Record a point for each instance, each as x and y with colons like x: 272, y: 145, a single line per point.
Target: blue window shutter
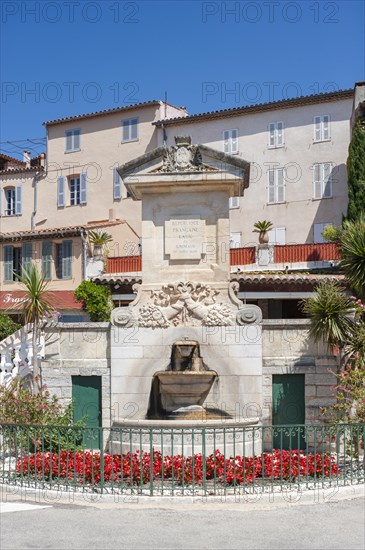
x: 117, y: 187
x: 66, y: 259
x: 8, y: 263
x: 83, y: 188
x: 18, y: 200
x: 26, y: 255
x: 61, y: 191
x: 47, y: 259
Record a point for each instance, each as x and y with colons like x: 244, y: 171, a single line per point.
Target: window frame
x: 73, y: 132
x: 322, y: 182
x: 130, y: 126
x: 276, y: 186
x: 321, y: 129
x: 12, y: 190
x: 230, y: 141
x: 276, y: 144
x: 76, y: 193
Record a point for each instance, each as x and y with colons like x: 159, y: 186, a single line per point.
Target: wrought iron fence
x: 200, y: 460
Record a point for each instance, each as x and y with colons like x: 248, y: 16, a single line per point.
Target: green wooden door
x: 288, y: 407
x: 86, y: 395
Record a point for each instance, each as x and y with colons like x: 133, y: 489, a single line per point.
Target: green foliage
x: 331, y: 234
x: 36, y: 303
x: 96, y: 300
x: 331, y: 313
x: 99, y: 238
x: 356, y: 172
x: 353, y: 253
x: 262, y: 226
x: 7, y: 326
x: 46, y: 424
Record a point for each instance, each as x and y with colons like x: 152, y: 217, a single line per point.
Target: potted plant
x: 263, y: 228
x: 99, y: 239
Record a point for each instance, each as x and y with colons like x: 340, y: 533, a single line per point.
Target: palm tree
x: 353, y: 254
x: 35, y: 306
x: 331, y: 313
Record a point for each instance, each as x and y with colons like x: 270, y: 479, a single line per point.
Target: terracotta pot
x: 263, y: 237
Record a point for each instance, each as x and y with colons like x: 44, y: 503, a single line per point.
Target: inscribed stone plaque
x: 184, y: 238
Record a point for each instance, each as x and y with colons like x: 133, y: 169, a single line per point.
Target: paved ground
x: 28, y: 523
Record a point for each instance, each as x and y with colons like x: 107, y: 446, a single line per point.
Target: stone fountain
x: 186, y: 342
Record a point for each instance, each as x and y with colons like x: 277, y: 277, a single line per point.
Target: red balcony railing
x: 243, y: 256
x: 288, y: 253
x: 292, y: 253
x: 124, y: 264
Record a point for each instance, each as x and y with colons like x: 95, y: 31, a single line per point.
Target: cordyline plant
x: 35, y: 305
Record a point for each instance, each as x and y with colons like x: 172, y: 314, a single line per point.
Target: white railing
x: 16, y: 355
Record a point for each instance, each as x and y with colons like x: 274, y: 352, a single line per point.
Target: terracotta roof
x: 104, y: 112
x: 119, y: 278
x: 269, y: 106
x: 73, y: 230
x: 21, y: 170
x: 11, y: 159
x: 274, y: 278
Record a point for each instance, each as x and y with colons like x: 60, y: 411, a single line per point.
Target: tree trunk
x: 36, y: 369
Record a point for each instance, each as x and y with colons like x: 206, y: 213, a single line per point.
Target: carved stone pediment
x: 183, y: 157
x: 186, y: 304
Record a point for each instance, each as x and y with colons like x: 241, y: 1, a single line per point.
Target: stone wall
x: 77, y: 349
x: 126, y: 360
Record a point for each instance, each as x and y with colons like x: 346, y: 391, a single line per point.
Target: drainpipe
x: 32, y: 219
x: 84, y: 253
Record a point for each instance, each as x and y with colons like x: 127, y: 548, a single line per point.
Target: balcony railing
x: 288, y: 253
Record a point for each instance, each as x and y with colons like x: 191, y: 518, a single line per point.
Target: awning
x: 60, y: 299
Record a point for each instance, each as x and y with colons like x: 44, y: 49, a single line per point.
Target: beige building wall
x: 300, y: 210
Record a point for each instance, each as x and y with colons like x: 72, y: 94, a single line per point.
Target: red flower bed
x: 136, y: 468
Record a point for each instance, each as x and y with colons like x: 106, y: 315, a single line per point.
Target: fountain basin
x: 184, y: 388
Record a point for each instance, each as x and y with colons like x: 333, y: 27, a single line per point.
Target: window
x: 77, y: 190
x: 276, y: 186
x: 13, y: 201
x: 47, y: 260
x: 322, y: 180
x: 322, y: 128
x: 72, y: 140
x: 16, y: 258
x: 277, y: 236
x: 130, y: 129
x: 234, y: 202
x: 230, y: 141
x: 64, y: 260
x: 318, y: 230
x: 276, y: 134
x: 235, y: 240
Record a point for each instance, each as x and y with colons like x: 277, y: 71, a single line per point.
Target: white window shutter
x: 18, y: 200
x: 234, y: 141
x: 317, y: 183
x: 69, y: 141
x: 234, y: 202
x: 326, y: 127
x: 327, y: 179
x: 125, y: 135
x: 226, y: 141
x: 281, y: 235
x: 76, y: 143
x: 271, y: 186
x: 134, y: 128
x: 271, y: 139
x: 235, y: 240
x: 280, y: 185
x: 83, y: 188
x: 117, y: 186
x: 8, y: 263
x: 61, y: 181
x: 317, y: 128
x: 280, y: 134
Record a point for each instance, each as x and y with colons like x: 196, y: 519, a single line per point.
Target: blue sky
x: 62, y: 58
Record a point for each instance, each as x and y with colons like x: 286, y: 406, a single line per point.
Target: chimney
x: 111, y: 214
x: 26, y: 158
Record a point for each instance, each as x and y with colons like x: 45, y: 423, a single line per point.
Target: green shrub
x: 7, y: 326
x: 96, y: 299
x: 331, y: 234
